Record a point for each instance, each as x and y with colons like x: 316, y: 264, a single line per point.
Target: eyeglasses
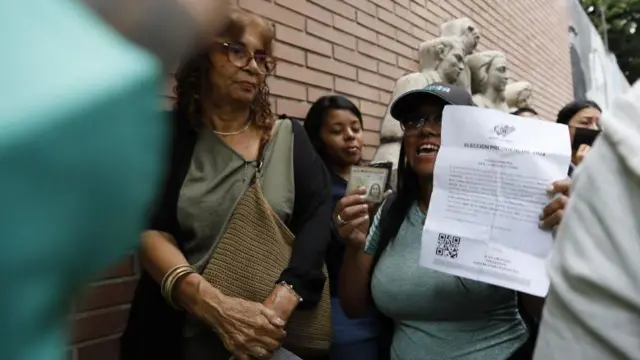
x: 412, y: 125
x: 241, y: 57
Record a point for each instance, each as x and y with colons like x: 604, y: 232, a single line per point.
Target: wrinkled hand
x: 554, y: 212
x: 351, y: 218
x: 247, y: 329
x: 582, y: 152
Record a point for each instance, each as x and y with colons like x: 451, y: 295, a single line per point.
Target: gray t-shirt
x: 439, y: 316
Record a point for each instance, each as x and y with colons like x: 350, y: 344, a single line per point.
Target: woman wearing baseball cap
x: 431, y: 315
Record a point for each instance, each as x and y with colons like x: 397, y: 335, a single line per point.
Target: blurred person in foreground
x: 81, y: 144
x: 579, y: 114
x: 227, y: 142
x: 592, y: 311
x: 431, y: 315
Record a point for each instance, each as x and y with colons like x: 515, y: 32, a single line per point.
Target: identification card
x: 371, y: 178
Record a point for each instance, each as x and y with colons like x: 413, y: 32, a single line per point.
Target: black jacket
x: 154, y: 329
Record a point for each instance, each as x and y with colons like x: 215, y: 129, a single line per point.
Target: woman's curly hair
x: 193, y: 86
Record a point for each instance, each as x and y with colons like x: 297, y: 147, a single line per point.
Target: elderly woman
x: 489, y: 79
x: 225, y: 140
x: 432, y: 315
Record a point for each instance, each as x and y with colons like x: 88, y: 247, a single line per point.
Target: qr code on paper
x: 448, y: 246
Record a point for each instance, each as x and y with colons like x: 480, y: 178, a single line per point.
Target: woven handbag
x: 250, y: 255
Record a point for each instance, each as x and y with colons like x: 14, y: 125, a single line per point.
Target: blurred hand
x: 351, y: 218
x: 166, y: 28
x: 582, y: 152
x: 554, y: 212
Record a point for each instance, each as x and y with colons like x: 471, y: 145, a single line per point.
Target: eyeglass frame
x: 252, y: 57
x: 420, y: 122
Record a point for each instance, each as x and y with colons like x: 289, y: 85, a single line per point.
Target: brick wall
x: 358, y: 48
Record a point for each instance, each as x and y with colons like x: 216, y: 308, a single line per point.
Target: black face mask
x: 584, y: 136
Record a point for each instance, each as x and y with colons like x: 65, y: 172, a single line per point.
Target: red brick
x: 352, y: 27
x: 407, y: 64
x: 355, y: 89
x: 331, y: 66
x: 376, y: 52
x: 304, y: 75
x: 96, y: 325
x: 274, y: 12
x: 375, y: 80
x: 390, y: 71
x: 308, y: 9
x: 314, y: 94
x: 337, y: 7
x: 107, y: 294
x: 286, y: 88
x: 289, y: 53
x: 328, y: 33
x: 393, y: 20
x: 385, y: 97
x: 372, y: 123
x: 368, y: 152
x: 372, y: 138
x: 398, y: 48
x: 353, y: 58
x: 387, y: 4
x: 302, y: 40
x: 106, y: 350
x: 374, y: 24
x: 364, y: 5
x: 372, y: 108
x: 292, y: 108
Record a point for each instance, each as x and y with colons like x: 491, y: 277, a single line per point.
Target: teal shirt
x: 81, y: 156
x: 439, y: 316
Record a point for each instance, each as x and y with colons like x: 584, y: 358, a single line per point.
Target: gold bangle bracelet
x: 170, y: 279
x: 289, y: 288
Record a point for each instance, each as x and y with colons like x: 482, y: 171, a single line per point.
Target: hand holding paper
x: 489, y: 190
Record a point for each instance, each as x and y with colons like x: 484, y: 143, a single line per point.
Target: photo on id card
x: 371, y: 178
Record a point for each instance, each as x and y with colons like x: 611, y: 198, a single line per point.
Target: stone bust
x: 441, y: 60
x: 489, y: 79
x: 467, y: 31
x: 519, y: 95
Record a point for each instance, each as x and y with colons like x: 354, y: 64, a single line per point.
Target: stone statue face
x: 524, y: 96
x: 452, y: 65
x: 497, y: 76
x: 470, y: 37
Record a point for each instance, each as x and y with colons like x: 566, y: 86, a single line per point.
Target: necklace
x: 233, y: 132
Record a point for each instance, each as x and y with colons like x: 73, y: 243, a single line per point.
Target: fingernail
x: 541, y: 216
x: 541, y: 224
x: 550, y: 188
x: 280, y: 322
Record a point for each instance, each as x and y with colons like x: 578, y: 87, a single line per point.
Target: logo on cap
x: 438, y: 88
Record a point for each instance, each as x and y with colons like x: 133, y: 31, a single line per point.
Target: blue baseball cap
x: 450, y: 94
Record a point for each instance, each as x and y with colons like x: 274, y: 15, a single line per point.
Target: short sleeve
x: 371, y: 245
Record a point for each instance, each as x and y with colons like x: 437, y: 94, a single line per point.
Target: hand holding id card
x: 371, y: 178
